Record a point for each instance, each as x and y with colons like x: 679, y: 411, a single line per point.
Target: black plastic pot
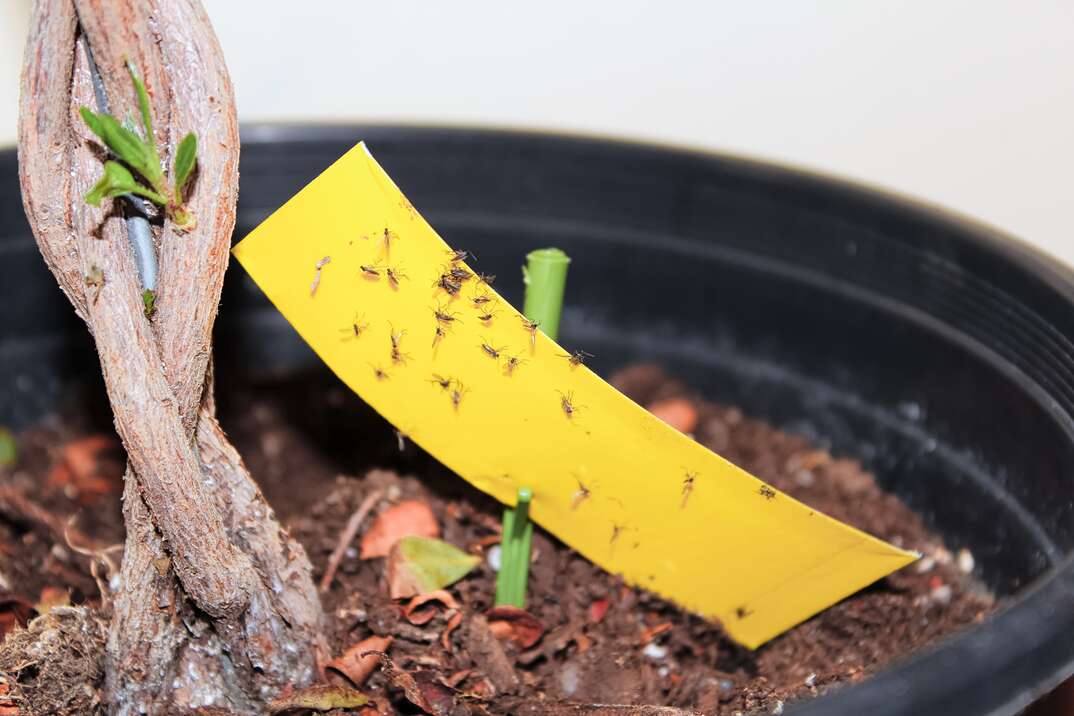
x: 932, y: 348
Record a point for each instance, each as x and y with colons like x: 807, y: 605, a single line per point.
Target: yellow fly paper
x: 359, y: 274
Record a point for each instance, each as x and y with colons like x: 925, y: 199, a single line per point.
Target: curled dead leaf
x: 356, y: 667
x: 452, y: 625
x: 421, y: 609
x: 322, y: 697
x: 408, y: 518
x: 515, y: 625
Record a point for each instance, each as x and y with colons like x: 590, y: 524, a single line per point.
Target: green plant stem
x: 515, y: 552
x: 545, y: 276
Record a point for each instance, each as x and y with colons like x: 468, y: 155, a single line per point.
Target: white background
x: 966, y: 104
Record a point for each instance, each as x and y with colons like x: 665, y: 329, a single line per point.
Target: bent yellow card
x: 369, y: 285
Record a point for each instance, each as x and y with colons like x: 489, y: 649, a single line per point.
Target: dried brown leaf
x: 516, y: 625
x: 420, y: 609
x: 356, y: 667
x: 412, y: 517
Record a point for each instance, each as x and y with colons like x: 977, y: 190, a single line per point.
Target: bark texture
x: 217, y: 606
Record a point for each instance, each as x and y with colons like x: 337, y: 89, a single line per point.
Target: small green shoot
x: 138, y: 170
x: 545, y: 277
x: 149, y: 300
x: 515, y: 553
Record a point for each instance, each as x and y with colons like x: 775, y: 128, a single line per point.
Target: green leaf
x: 8, y: 451
x: 322, y: 697
x: 186, y: 156
x: 126, y: 145
x: 116, y: 181
x: 91, y: 120
x: 418, y: 565
x: 143, y: 105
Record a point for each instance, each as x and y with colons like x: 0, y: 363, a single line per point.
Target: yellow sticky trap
x: 358, y: 272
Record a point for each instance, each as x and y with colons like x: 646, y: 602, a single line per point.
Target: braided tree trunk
x: 216, y: 605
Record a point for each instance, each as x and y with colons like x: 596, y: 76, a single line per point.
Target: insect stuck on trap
x: 317, y: 274
x: 490, y: 350
x: 531, y: 328
x: 439, y: 334
x: 441, y: 381
x: 388, y: 236
x: 395, y: 275
x: 355, y: 329
x: 580, y: 495
x: 511, y: 363
x: 378, y: 372
x: 766, y: 492
x: 398, y: 357
x: 456, y: 395
x: 487, y: 316
x: 457, y: 255
x: 370, y: 271
x: 481, y: 299
x: 458, y: 274
x: 687, y: 487
x: 566, y: 403
x: 576, y: 358
x: 447, y: 284
x: 442, y: 315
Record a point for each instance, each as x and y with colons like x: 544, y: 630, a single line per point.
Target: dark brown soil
x: 318, y: 452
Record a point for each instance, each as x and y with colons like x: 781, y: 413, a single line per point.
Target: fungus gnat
x: 511, y: 363
x: 448, y: 284
x: 486, y: 279
x: 443, y: 316
x: 439, y: 335
x: 441, y: 381
x: 355, y: 329
x: 370, y: 270
x: 457, y: 255
x: 389, y: 237
x: 317, y: 274
x: 688, y: 487
x: 456, y: 395
x: 397, y: 355
x: 481, y: 300
x: 580, y: 495
x: 576, y: 358
x: 394, y: 276
x: 766, y: 492
x: 490, y: 351
x: 459, y: 274
x: 379, y: 373
x: 566, y: 402
x: 531, y: 327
